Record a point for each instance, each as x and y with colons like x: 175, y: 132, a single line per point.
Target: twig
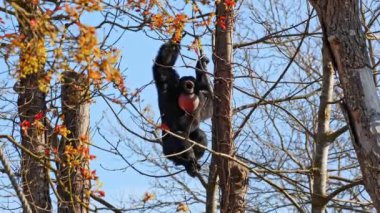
x: 12, y: 178
x: 105, y: 203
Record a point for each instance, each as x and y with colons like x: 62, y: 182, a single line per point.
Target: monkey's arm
x: 164, y: 74
x: 205, y: 88
x: 201, y: 74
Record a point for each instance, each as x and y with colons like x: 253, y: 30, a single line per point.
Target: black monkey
x: 184, y: 103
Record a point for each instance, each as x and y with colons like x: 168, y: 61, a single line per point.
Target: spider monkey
x: 183, y: 103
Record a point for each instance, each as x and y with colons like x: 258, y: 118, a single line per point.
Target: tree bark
x: 320, y: 159
x: 340, y: 21
x: 74, y: 188
x: 233, y: 177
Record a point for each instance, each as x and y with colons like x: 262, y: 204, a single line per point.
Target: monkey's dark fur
x: 183, y: 103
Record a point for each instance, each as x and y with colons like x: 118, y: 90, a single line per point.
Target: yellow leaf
x: 182, y: 208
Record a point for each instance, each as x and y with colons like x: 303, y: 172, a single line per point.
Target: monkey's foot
x: 193, y: 169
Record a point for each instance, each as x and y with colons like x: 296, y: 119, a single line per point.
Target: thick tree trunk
x: 341, y: 26
x: 31, y: 101
x: 74, y: 188
x: 233, y: 178
x: 34, y: 174
x: 322, y: 144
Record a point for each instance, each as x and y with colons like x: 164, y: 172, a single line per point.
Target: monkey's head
x: 188, y: 99
x: 187, y: 85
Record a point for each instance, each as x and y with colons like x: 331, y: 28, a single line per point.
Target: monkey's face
x: 187, y: 85
x: 188, y: 99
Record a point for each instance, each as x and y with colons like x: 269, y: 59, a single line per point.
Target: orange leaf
x: 62, y: 130
x: 94, y: 75
x: 148, y: 196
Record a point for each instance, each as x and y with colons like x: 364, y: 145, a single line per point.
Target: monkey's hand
x: 202, y: 63
x: 204, y: 60
x: 168, y: 53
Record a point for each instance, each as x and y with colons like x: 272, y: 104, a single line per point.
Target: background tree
x: 349, y: 52
x: 278, y: 101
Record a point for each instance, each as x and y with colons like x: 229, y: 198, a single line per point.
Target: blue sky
x: 137, y: 56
